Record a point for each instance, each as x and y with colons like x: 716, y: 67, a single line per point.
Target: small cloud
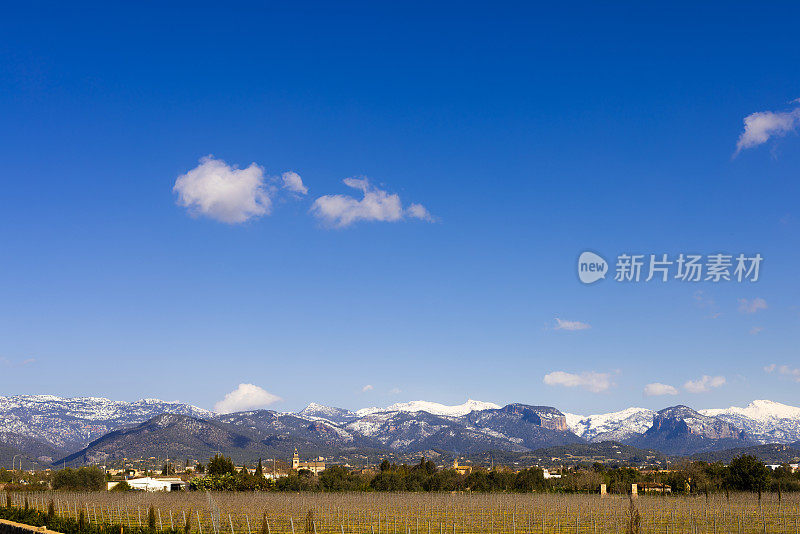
x: 231, y: 195
x: 784, y: 370
x: 5, y: 362
x: 340, y: 211
x: 752, y: 306
x: 590, y: 381
x: 246, y: 397
x: 706, y: 383
x: 395, y: 391
x: 292, y: 182
x: 657, y: 388
x: 570, y: 325
x: 368, y: 387
x: 756, y: 330
x: 227, y: 194
x: 759, y: 127
x: 418, y: 211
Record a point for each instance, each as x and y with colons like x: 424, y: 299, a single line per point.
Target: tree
x: 425, y: 466
x: 260, y: 469
x: 444, y: 480
x: 529, y: 479
x: 478, y: 480
x: 122, y: 486
x: 338, y: 478
x: 388, y: 480
x: 221, y: 465
x: 747, y: 473
x: 83, y: 479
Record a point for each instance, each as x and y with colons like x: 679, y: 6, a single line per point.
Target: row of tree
x: 745, y: 473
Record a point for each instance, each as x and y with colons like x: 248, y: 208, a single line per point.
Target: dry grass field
x: 430, y: 513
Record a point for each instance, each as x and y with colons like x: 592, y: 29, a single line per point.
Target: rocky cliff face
x: 682, y: 419
x: 680, y: 430
x: 543, y: 416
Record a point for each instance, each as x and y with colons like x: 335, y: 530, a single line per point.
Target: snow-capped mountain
x: 70, y: 424
x: 764, y: 420
x: 50, y: 426
x: 615, y: 426
x: 433, y: 408
x: 327, y: 413
x: 682, y: 431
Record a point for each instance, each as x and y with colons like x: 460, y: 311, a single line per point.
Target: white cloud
x: 706, y: 383
x: 395, y: 391
x: 760, y: 126
x: 245, y: 397
x: 657, y: 388
x: 368, y: 387
x: 756, y: 330
x: 227, y: 194
x: 293, y: 182
x: 376, y: 205
x: 591, y: 381
x: 785, y: 370
x: 570, y: 325
x: 418, y: 211
x: 752, y: 306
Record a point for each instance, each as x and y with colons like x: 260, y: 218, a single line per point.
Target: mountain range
x: 94, y: 430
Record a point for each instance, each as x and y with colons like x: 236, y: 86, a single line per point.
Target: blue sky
x: 528, y: 134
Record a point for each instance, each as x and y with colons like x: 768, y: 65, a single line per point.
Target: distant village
x: 178, y: 480
x: 296, y: 473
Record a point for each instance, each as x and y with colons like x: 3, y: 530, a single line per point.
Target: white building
x: 157, y: 484
x: 548, y: 474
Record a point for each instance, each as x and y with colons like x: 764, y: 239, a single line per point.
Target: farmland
x: 431, y: 513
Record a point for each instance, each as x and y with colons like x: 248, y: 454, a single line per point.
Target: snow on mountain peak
x: 760, y: 410
x: 434, y: 408
x: 767, y: 421
x: 611, y: 426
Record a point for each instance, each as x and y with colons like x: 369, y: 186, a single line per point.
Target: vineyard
x: 431, y: 513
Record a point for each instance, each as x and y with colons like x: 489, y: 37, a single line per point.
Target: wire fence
x: 427, y: 513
